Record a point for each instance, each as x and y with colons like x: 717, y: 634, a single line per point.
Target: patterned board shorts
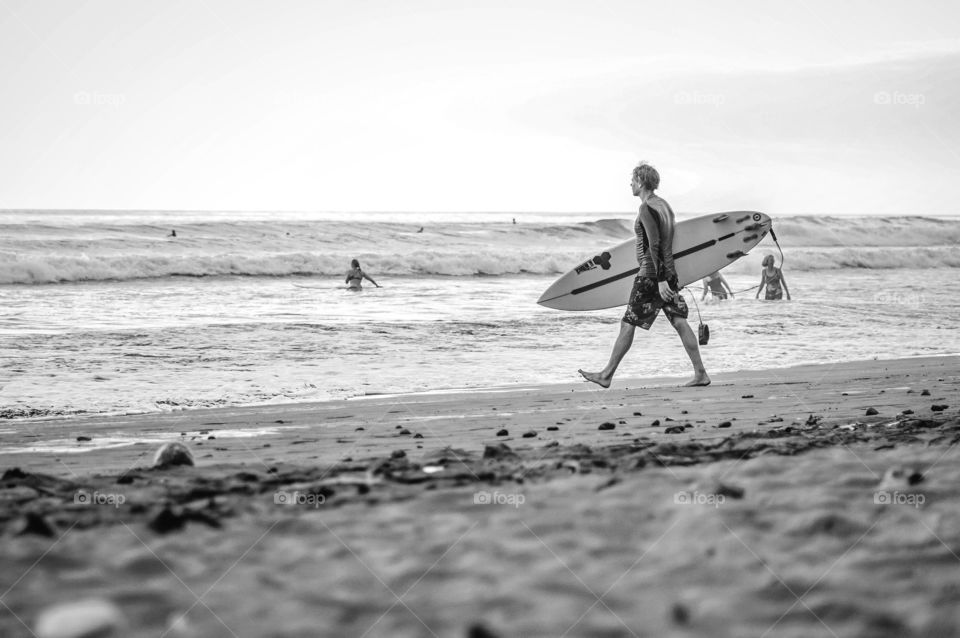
x: 645, y: 303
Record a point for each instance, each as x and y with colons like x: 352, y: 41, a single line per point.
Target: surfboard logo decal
x: 602, y: 260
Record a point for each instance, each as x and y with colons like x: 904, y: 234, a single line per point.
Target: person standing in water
x: 716, y: 283
x: 656, y: 287
x: 355, y: 276
x: 772, y: 278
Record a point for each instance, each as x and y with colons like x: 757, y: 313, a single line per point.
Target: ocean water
x: 103, y: 312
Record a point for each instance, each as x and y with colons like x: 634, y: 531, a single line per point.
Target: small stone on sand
x: 80, y: 619
x: 872, y: 411
x: 172, y: 454
x: 655, y: 423
x: 925, y: 393
x: 606, y: 426
x: 725, y: 424
x: 504, y: 432
x: 939, y: 408
x: 529, y: 435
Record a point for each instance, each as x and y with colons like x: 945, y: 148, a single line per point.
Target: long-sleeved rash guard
x: 654, y: 228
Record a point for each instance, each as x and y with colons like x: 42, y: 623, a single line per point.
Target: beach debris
x: 18, y: 494
x: 725, y: 424
x: 939, y: 407
x: 170, y: 520
x: 498, y: 451
x: 530, y: 434
x: 84, y: 438
x: 570, y: 464
x: 172, y: 454
x: 81, y: 619
x: 680, y: 614
x: 606, y: 425
x: 504, y: 432
x: 398, y: 454
x: 674, y: 429
x: 729, y: 491
x: 35, y: 524
x: 813, y: 419
x: 432, y: 469
x: 479, y: 630
x: 925, y: 393
x: 871, y: 412
x: 900, y: 476
x: 655, y: 423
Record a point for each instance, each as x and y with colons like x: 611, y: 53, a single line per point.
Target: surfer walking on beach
x: 355, y: 276
x: 656, y: 286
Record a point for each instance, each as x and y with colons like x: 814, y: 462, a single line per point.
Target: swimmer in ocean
x: 355, y: 277
x: 716, y: 284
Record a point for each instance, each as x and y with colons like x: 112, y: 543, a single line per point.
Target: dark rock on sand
x: 725, y: 424
x: 638, y: 414
x: 404, y: 432
x: 504, y: 432
x: 747, y: 396
x: 606, y: 425
x: 730, y: 491
x: 680, y: 614
x: 418, y: 436
x: 552, y: 428
x: 655, y: 423
x: 872, y: 412
x: 84, y: 438
x: 498, y: 451
x: 398, y: 454
x: 939, y: 407
x: 530, y: 435
x: 36, y: 525
x: 674, y: 429
x: 171, y: 455
x: 925, y: 393
x: 14, y: 473
x: 479, y: 630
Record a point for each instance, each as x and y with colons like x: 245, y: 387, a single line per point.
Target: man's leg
x: 620, y: 348
x: 693, y: 350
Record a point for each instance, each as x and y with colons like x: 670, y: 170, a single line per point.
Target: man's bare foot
x: 699, y: 380
x: 597, y: 378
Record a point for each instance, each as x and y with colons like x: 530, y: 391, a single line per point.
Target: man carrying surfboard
x: 656, y: 286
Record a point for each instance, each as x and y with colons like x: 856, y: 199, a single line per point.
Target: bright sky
x: 412, y: 105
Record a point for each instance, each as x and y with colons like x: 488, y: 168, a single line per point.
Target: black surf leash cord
x: 693, y: 296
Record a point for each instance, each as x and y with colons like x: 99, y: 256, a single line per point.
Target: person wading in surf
x: 656, y: 287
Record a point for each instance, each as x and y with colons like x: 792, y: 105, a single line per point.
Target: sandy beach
x: 768, y: 504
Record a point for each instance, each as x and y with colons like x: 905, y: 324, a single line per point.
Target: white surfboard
x: 701, y: 246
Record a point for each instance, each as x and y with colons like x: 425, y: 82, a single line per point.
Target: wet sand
x: 769, y: 503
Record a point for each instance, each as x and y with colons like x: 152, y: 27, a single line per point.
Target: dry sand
x: 766, y: 504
